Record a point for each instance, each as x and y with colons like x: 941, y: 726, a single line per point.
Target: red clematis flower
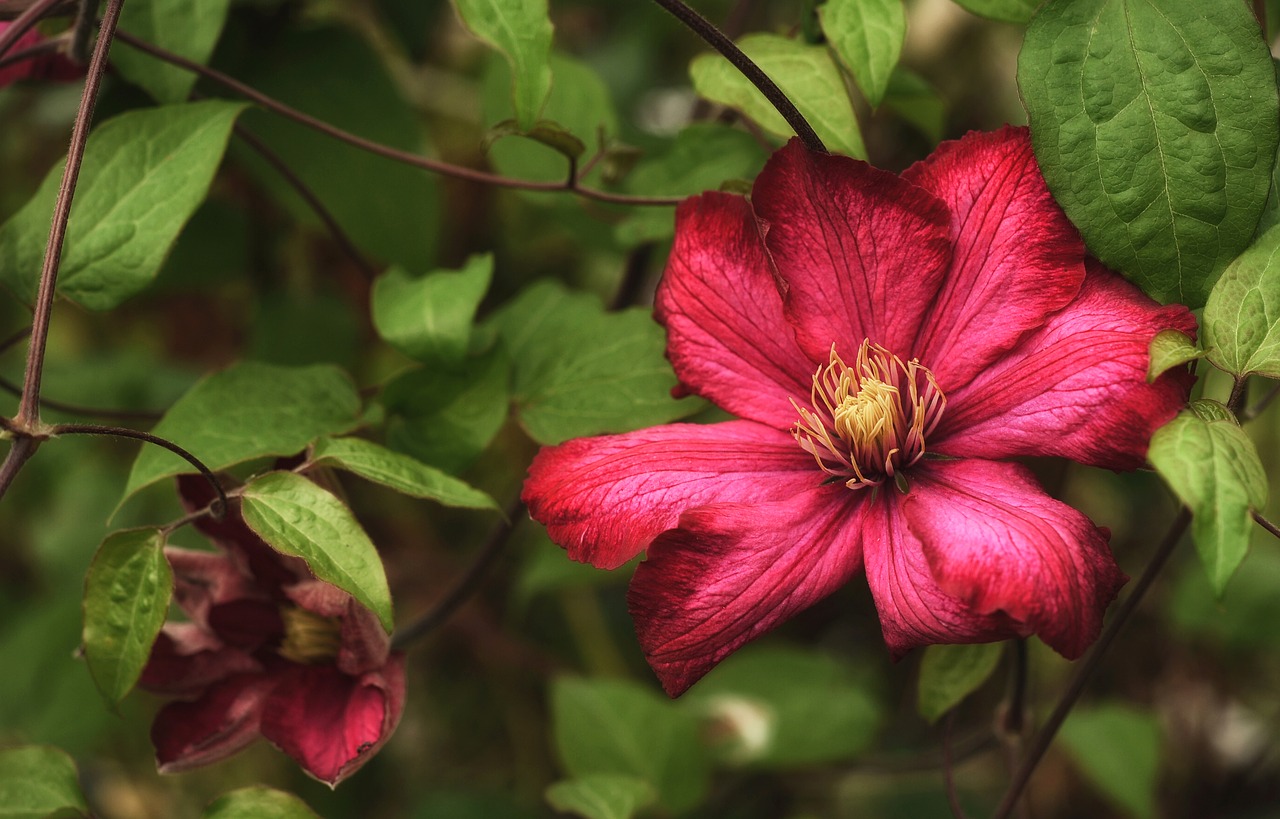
x: 885, y: 341
x: 47, y: 66
x: 269, y: 651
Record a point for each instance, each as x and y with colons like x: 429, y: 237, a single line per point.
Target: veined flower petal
x: 188, y: 734
x: 733, y: 571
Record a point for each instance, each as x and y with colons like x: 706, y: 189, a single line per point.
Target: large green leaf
x: 867, y: 35
x: 296, y: 517
x: 250, y: 410
x: 948, y: 674
x: 806, y: 73
x: 257, y: 802
x: 617, y: 727
x: 188, y: 28
x: 1213, y: 468
x: 400, y: 472
x: 1118, y: 747
x: 582, y: 371
x: 603, y: 796
x: 1155, y: 123
x: 429, y: 318
x: 144, y: 174
x: 126, y: 601
x: 521, y: 30
x: 36, y: 781
x: 1242, y: 319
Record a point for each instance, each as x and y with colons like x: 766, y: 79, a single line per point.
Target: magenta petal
x: 605, y: 498
x: 26, y: 68
x: 1015, y: 257
x: 225, y: 719
x: 186, y: 659
x: 732, y: 572
x: 861, y: 251
x: 332, y: 723
x: 1076, y: 388
x: 726, y: 335
x: 997, y: 542
x: 203, y: 579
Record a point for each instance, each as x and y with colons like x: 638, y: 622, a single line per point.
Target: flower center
x: 308, y: 637
x: 868, y: 422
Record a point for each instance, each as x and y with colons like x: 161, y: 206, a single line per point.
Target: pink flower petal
x: 995, y: 541
x: 1016, y: 258
x: 726, y: 335
x: 1077, y: 387
x: 733, y: 571
x: 20, y: 70
x: 861, y: 251
x: 225, y: 719
x: 332, y: 723
x: 605, y: 498
x: 203, y: 579
x: 186, y: 659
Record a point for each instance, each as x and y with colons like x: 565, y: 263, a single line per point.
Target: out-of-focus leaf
x: 603, y: 796
x: 188, y: 28
x: 808, y: 76
x: 1008, y: 11
x: 582, y: 371
x: 867, y: 35
x: 551, y: 134
x: 1155, y: 123
x: 297, y: 517
x: 1244, y: 619
x: 126, y: 601
x: 400, y: 472
x: 1242, y: 318
x: 258, y: 802
x: 546, y: 568
x: 144, y: 173
x: 1169, y: 349
x: 249, y: 411
x: 521, y: 30
x: 1118, y: 747
x: 912, y: 98
x: 429, y: 318
x: 36, y: 781
x: 948, y: 674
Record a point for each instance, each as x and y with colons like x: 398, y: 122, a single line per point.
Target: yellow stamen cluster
x: 308, y: 637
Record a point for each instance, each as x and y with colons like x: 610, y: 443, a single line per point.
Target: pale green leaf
x: 188, y: 28
x: 258, y: 802
x: 808, y: 76
x: 1169, y: 349
x: 1008, y: 11
x: 126, y: 601
x: 867, y: 35
x: 949, y: 673
x: 521, y: 31
x: 1118, y: 747
x: 37, y: 780
x: 1242, y: 319
x: 603, y: 796
x: 400, y: 472
x: 296, y: 517
x: 429, y: 318
x: 144, y: 174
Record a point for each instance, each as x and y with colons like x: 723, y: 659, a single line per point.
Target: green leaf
x: 786, y: 707
x: 1244, y: 619
x: 582, y: 371
x: 1242, y: 319
x: 604, y: 796
x: 521, y: 30
x: 1213, y: 468
x: 867, y: 36
x: 1118, y: 747
x: 36, y: 781
x: 144, y: 174
x: 296, y: 517
x: 950, y: 673
x: 250, y: 410
x: 430, y: 318
x: 258, y: 802
x: 1169, y: 349
x: 1008, y: 11
x: 188, y: 28
x: 126, y: 601
x: 808, y: 76
x: 911, y: 97
x: 618, y: 727
x: 400, y: 472
x: 1155, y: 122
x: 552, y: 134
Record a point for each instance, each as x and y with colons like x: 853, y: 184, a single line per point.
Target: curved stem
x: 75, y: 409
x: 19, y: 453
x: 86, y: 15
x: 717, y: 40
x: 948, y: 775
x: 32, y: 51
x: 1266, y: 524
x: 1258, y: 408
x: 24, y: 22
x: 14, y: 338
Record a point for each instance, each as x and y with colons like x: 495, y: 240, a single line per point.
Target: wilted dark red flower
x: 885, y: 340
x: 268, y: 651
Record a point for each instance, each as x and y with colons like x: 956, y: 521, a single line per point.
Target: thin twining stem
x: 1266, y: 524
x: 948, y: 772
x: 76, y: 409
x: 1263, y: 402
x: 24, y: 22
x: 435, y: 166
x: 32, y: 51
x: 717, y: 40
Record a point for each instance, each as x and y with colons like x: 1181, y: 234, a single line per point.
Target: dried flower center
x: 308, y: 637
x: 868, y: 422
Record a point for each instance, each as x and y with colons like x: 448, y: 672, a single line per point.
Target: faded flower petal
x: 222, y: 721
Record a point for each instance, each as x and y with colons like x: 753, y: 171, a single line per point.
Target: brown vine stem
x: 715, y: 38
x: 1266, y: 524
x: 435, y: 166
x: 948, y: 769
x: 76, y: 409
x: 31, y: 52
x: 24, y: 22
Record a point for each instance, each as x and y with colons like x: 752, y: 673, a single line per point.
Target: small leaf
x: 867, y: 35
x: 188, y: 28
x: 296, y: 517
x: 521, y: 31
x: 1155, y: 123
x: 126, y: 601
x: 950, y: 673
x: 258, y: 802
x: 1242, y: 317
x: 1008, y: 11
x: 1213, y: 468
x: 1169, y: 349
x: 400, y: 472
x: 551, y: 134
x: 430, y: 318
x: 603, y: 796
x: 808, y: 76
x: 36, y: 781
x: 247, y: 411
x: 144, y: 173
x: 1118, y: 747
